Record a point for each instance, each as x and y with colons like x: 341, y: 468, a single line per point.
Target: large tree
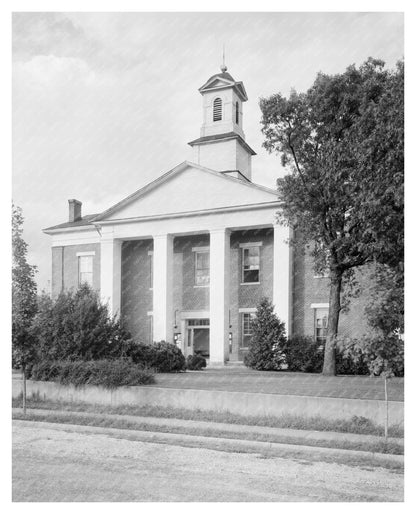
x: 24, y: 300
x: 344, y: 141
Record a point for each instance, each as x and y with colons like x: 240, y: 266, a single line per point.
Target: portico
x: 217, y: 227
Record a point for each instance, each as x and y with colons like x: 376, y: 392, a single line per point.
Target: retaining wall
x: 247, y: 404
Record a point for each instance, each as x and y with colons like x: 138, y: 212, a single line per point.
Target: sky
x: 103, y: 103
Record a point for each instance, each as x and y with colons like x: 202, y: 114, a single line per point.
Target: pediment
x: 189, y: 188
x: 218, y: 83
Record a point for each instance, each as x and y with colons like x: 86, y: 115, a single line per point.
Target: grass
x: 101, y: 420
x: 354, y: 425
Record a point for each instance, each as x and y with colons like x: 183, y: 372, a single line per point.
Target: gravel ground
x: 59, y: 465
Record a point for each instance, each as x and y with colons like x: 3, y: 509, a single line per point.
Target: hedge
x: 107, y: 373
x: 163, y: 357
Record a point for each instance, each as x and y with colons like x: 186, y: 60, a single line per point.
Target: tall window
x: 321, y: 325
x: 202, y: 268
x: 217, y: 111
x: 251, y: 264
x: 85, y: 269
x: 237, y: 113
x: 246, y: 328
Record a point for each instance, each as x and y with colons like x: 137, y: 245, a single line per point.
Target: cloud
x: 51, y: 72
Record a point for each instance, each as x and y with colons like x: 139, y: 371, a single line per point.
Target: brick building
x: 187, y: 257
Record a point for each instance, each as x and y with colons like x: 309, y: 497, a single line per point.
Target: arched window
x: 237, y: 112
x: 217, y: 111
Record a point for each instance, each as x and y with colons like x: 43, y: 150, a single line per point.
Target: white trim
x: 150, y: 313
x: 249, y: 283
x: 247, y: 310
x: 319, y: 305
x: 85, y: 254
x: 202, y: 286
x: 63, y: 230
x: 321, y: 276
x: 201, y: 249
x: 76, y: 238
x: 250, y: 245
x: 183, y: 214
x: 194, y: 314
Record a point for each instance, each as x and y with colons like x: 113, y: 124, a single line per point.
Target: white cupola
x: 221, y: 145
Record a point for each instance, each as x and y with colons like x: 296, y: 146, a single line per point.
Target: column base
x: 216, y: 364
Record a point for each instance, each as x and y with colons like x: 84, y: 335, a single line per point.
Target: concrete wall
x: 246, y: 404
x: 65, y: 266
x: 309, y: 289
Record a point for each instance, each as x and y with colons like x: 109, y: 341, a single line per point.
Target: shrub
x: 380, y: 354
x: 76, y: 326
x: 163, y: 357
x: 267, y: 340
x: 195, y: 362
x: 107, y: 373
x: 303, y: 353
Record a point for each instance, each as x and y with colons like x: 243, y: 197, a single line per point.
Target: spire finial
x: 223, y: 67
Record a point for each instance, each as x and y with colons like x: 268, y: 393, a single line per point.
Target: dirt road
x: 55, y: 464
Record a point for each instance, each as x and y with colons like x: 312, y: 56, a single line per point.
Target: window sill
x: 321, y: 276
x: 249, y: 283
x: 199, y: 287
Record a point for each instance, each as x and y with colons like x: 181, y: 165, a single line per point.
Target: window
x: 247, y: 328
x: 321, y: 325
x: 237, y: 114
x: 251, y: 264
x: 200, y: 322
x: 217, y: 111
x: 85, y: 269
x: 202, y: 268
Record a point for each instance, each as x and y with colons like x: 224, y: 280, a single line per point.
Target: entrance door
x: 201, y: 341
x: 198, y: 337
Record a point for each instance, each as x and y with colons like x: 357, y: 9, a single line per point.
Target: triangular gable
x: 217, y: 83
x: 188, y: 188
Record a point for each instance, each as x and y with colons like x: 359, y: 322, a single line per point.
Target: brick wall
x: 188, y: 297
x: 309, y: 289
x: 65, y: 267
x: 136, y: 292
x: 248, y: 296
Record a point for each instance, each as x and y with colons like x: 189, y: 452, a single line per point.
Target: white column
x: 282, y: 275
x: 219, y: 295
x: 163, y: 288
x: 110, y: 275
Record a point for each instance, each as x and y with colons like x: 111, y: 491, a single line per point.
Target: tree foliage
x: 24, y: 300
x: 267, y: 340
x: 385, y: 310
x: 77, y: 326
x: 343, y: 140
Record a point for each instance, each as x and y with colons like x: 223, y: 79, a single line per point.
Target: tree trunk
x: 386, y: 400
x: 24, y: 390
x: 333, y: 319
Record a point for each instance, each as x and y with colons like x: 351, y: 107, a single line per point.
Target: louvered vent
x: 217, y: 109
